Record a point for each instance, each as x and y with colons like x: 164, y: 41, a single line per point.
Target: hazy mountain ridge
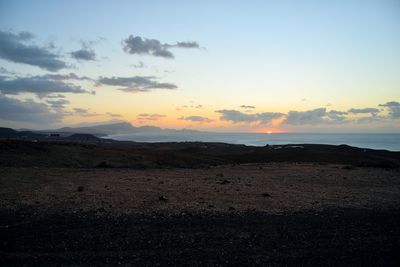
x: 106, y: 129
x: 117, y: 128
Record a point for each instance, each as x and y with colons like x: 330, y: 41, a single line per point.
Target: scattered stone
x: 348, y: 167
x: 220, y: 175
x: 162, y: 198
x: 231, y: 208
x: 80, y: 188
x: 266, y: 195
x: 103, y: 164
x: 225, y: 182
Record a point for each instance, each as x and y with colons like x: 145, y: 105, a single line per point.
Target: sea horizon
x: 385, y: 141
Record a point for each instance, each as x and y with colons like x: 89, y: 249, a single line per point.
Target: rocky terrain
x: 202, y: 204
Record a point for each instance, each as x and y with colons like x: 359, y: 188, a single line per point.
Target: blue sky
x: 278, y: 56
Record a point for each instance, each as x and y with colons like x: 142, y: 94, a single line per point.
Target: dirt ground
x: 272, y: 214
x: 272, y: 188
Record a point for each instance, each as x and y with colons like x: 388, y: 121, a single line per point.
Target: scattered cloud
x: 315, y: 116
x: 150, y: 117
x: 196, y: 119
x: 14, y: 47
x: 51, y: 96
x: 83, y: 112
x: 393, y: 108
x: 114, y: 115
x: 237, y: 116
x: 198, y: 106
x: 135, y: 84
x: 84, y: 54
x: 139, y: 65
x: 63, y: 77
x: 12, y: 109
x: 247, y: 107
x: 58, y: 104
x: 363, y: 110
x: 153, y: 47
x: 39, y: 85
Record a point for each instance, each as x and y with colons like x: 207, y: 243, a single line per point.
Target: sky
x: 227, y: 66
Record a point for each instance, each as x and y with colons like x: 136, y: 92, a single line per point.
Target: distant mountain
x: 10, y: 133
x: 114, y: 128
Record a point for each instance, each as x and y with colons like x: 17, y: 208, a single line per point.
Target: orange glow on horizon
x: 270, y: 131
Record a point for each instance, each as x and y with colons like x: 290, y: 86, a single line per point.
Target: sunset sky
x: 231, y: 66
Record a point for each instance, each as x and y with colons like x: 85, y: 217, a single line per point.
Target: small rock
x: 162, y: 198
x: 266, y: 195
x: 80, y: 188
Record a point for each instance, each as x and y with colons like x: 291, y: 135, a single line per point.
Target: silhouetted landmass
x: 114, y: 128
x: 87, y: 151
x: 13, y: 134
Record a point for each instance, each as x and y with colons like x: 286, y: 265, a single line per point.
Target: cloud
x: 58, y: 104
x: 5, y: 71
x: 84, y: 54
x: 12, y: 109
x: 63, y: 77
x: 247, y: 107
x: 55, y: 96
x: 186, y: 45
x: 394, y: 109
x: 114, y: 115
x: 39, y: 85
x: 13, y: 47
x: 139, y: 65
x: 196, y: 119
x: 150, y: 117
x: 198, y: 106
x: 144, y: 46
x: 238, y: 116
x: 82, y: 112
x: 135, y: 84
x: 363, y: 110
x: 315, y: 116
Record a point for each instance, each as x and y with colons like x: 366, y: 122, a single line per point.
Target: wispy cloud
x: 247, y: 107
x: 136, y: 83
x: 143, y: 46
x: 195, y: 118
x: 150, y: 117
x: 363, y: 110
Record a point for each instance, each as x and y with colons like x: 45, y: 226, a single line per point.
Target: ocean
x: 374, y: 141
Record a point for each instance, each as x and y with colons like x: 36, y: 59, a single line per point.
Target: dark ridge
x: 87, y: 151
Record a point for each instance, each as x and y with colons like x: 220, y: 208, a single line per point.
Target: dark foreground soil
x: 336, y: 237
x: 333, y: 237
